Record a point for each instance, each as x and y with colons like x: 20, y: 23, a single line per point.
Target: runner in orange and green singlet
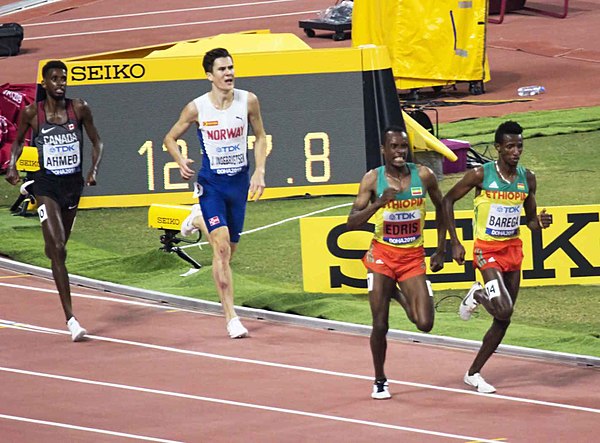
x: 502, y: 189
x: 394, y: 196
x: 400, y: 222
x: 497, y: 217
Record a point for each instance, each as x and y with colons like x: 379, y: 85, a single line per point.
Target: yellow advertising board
x: 566, y: 253
x: 28, y: 160
x: 311, y: 151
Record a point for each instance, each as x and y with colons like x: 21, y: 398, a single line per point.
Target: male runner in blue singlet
x: 57, y: 124
x: 221, y: 117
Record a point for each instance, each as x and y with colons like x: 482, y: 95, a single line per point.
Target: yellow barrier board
x: 28, y: 161
x: 296, y: 62
x: 167, y: 216
x: 310, y: 149
x: 567, y: 253
x: 243, y: 43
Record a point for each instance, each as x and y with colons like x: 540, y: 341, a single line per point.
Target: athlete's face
x: 511, y: 148
x: 222, y: 74
x: 395, y: 148
x: 55, y: 83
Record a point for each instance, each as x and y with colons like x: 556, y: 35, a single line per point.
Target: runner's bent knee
x: 424, y: 325
x: 504, y: 313
x: 419, y: 295
x: 499, y: 298
x: 56, y: 252
x: 380, y: 326
x: 501, y: 324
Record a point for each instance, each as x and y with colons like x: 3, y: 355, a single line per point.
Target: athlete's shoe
x: 477, y: 381
x: 236, y: 329
x: 381, y: 390
x: 77, y: 332
x: 23, y: 189
x: 187, y: 227
x: 468, y: 304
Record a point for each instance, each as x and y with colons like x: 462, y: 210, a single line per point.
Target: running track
x: 149, y: 371
x: 561, y: 55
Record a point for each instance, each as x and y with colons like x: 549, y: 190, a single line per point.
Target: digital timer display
x: 323, y: 111
x: 315, y: 131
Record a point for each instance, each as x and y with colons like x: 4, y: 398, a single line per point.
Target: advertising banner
x: 567, y: 253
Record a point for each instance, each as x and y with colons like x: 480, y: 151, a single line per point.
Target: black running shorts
x: 65, y: 190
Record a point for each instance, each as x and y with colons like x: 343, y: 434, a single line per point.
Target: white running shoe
x: 468, y: 304
x: 187, y: 227
x: 236, y: 329
x: 477, y: 381
x: 23, y: 190
x: 381, y: 390
x: 77, y: 332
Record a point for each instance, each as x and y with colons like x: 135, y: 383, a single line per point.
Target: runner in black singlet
x: 57, y: 124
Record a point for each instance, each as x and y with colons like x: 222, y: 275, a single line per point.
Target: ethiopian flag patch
x: 416, y: 192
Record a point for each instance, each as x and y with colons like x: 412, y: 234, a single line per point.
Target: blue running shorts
x: 223, y: 201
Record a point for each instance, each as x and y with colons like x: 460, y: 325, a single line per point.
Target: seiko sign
x: 107, y: 72
x: 567, y: 254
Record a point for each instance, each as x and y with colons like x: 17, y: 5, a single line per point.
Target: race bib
x: 400, y: 228
x: 228, y: 160
x: 503, y: 221
x: 62, y: 159
x: 43, y: 214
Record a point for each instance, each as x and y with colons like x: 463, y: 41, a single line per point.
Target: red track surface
x: 560, y: 54
x: 174, y: 375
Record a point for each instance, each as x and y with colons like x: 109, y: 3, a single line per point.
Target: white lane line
x: 26, y: 328
x: 167, y: 11
x: 285, y: 220
x: 173, y: 25
x: 280, y: 222
x: 84, y: 428
x: 245, y: 405
x: 104, y: 298
x: 33, y: 328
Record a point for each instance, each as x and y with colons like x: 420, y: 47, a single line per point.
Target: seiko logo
x: 107, y: 72
x: 168, y: 220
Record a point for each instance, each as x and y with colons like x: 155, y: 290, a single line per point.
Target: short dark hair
x: 397, y: 129
x: 53, y: 64
x: 211, y: 56
x: 508, y: 127
x: 391, y: 128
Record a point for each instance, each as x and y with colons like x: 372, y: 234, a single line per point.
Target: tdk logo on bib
x: 225, y: 149
x: 400, y: 216
x: 62, y: 149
